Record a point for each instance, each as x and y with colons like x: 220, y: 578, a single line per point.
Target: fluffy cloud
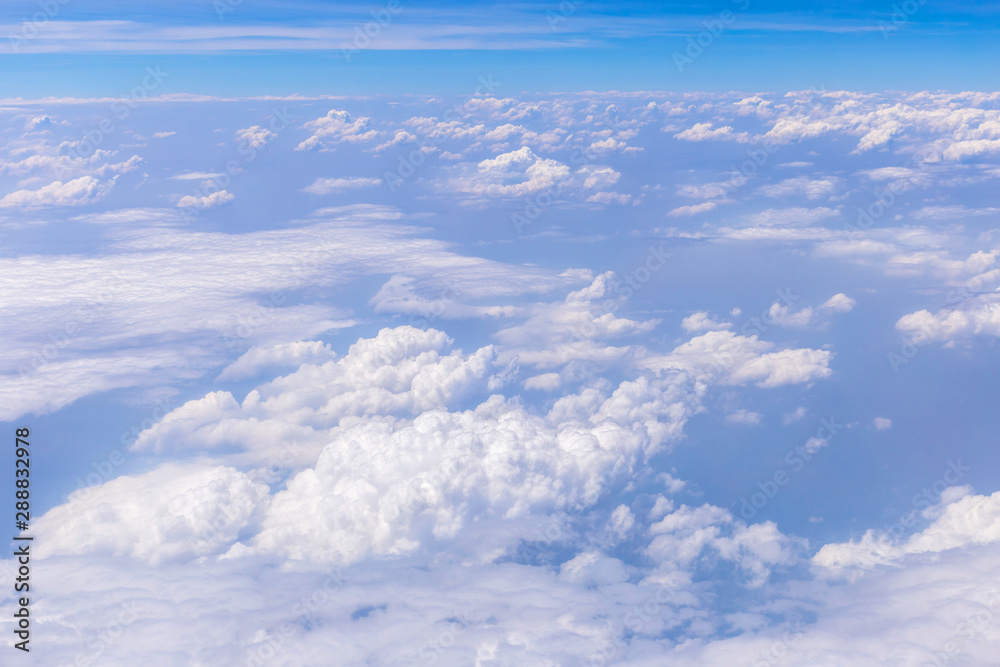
x: 217, y: 198
x: 337, y: 126
x: 728, y: 358
x: 513, y: 174
x: 78, y: 192
x: 705, y: 132
x: 554, y: 334
x: 186, y: 512
x: 283, y: 354
x: 168, y: 302
x: 255, y: 136
x: 701, y: 321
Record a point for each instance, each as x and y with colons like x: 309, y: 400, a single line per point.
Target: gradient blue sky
x: 285, y: 48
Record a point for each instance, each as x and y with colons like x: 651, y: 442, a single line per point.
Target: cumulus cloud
x: 152, y: 308
x: 186, y: 512
x: 702, y: 321
x: 513, y: 174
x: 255, y: 136
x: 839, y: 303
x: 578, y: 328
x: 727, y: 358
x: 217, y: 198
x: 705, y: 132
x: 78, y: 192
x: 337, y: 126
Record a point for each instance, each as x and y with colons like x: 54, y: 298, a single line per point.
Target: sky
x: 532, y: 334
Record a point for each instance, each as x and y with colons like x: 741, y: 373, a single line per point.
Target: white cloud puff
x: 726, y: 357
x: 512, y: 174
x: 214, y: 200
x: 705, y: 132
x: 335, y: 127
x: 702, y: 321
x: 77, y: 192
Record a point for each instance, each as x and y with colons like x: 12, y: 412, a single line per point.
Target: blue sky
x: 505, y: 338
x: 249, y: 47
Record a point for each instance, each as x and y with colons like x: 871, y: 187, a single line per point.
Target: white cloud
x: 335, y: 127
x: 217, y: 198
x: 704, y: 132
x: 163, y: 135
x: 794, y: 416
x: 744, y: 417
x: 255, y: 136
x: 784, y: 316
x: 960, y: 519
x: 693, y: 209
x: 543, y: 382
x: 196, y: 176
x: 554, y: 334
x: 78, y: 192
x: 882, y: 423
x: 727, y: 358
x: 151, y: 306
x: 325, y: 186
x: 701, y: 321
x: 979, y: 316
x: 952, y: 212
x: 185, y: 512
x: 793, y: 216
x: 810, y: 188
x: 610, y: 198
x: 839, y: 303
x: 283, y: 354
